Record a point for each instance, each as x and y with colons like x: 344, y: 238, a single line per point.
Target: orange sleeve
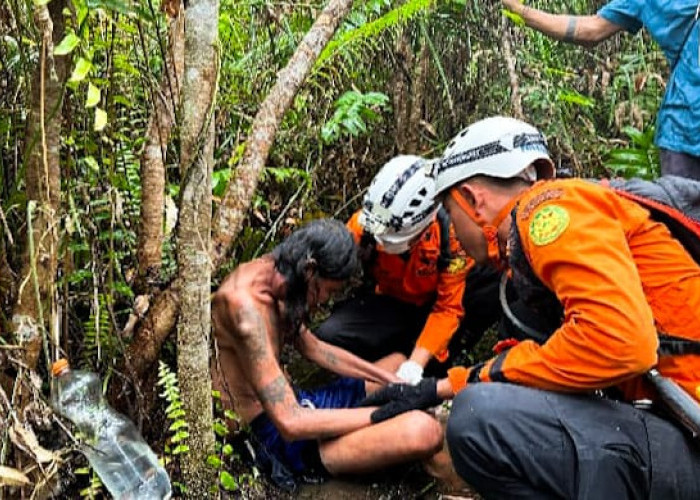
x: 355, y: 227
x: 608, y: 334
x: 447, y: 311
x: 460, y: 376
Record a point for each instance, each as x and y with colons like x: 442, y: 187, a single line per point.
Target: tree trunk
x: 236, y: 201
x: 43, y: 185
x: 144, y: 348
x: 8, y: 288
x: 162, y: 315
x: 401, y: 86
x: 194, y: 241
x: 160, y: 124
x: 515, y: 100
x: 420, y: 76
x: 32, y: 314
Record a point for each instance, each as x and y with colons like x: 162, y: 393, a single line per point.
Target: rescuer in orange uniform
x: 419, y: 270
x: 552, y: 416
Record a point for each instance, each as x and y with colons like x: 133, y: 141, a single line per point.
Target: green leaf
x: 120, y: 99
x: 220, y: 180
x: 227, y: 450
x: 575, y: 98
x: 353, y: 110
x: 228, y: 481
x: 181, y: 448
x: 115, y: 5
x: 214, y: 461
x: 180, y: 486
x: 180, y: 435
x: 220, y: 429
x: 122, y: 63
x: 100, y: 119
x: 92, y: 163
x: 82, y: 13
x: 629, y: 156
x: 178, y: 424
x: 515, y: 18
x: 175, y: 405
x: 638, y: 137
x: 176, y: 414
x: 69, y: 42
x: 93, y: 96
x: 82, y: 68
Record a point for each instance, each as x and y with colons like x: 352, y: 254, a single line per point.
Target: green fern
x: 369, y: 31
x: 353, y: 111
x: 224, y: 452
x: 98, y: 337
x: 175, y: 413
x: 639, y: 159
x: 94, y: 489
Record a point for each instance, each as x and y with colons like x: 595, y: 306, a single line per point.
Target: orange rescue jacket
x: 418, y: 280
x: 619, y: 277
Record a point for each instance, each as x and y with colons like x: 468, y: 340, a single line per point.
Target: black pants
x: 513, y: 442
x: 373, y: 326
x: 681, y: 164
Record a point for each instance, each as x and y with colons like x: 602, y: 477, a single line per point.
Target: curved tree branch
x: 235, y: 203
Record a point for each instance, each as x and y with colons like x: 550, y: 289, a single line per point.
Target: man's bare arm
x: 582, y: 30
x: 340, y: 361
x: 246, y: 319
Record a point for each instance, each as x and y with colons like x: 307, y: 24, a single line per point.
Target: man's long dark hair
x: 325, y: 244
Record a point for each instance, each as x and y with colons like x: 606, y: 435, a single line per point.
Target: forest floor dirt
x: 408, y: 481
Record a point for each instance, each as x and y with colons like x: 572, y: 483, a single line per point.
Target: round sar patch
x: 456, y: 265
x: 547, y: 224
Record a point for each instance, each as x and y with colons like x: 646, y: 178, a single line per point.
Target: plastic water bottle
x: 126, y: 465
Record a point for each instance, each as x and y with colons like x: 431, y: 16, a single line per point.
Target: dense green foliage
x: 596, y: 106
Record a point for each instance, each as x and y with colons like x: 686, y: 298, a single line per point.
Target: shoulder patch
x: 457, y: 265
x: 550, y: 194
x: 547, y: 224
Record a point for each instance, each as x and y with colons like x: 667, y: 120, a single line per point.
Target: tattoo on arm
x: 274, y: 392
x: 330, y: 357
x: 570, y: 30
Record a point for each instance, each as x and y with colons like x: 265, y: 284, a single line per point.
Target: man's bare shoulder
x: 250, y: 283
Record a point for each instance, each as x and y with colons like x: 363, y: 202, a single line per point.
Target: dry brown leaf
x: 428, y: 127
x: 35, y: 379
x: 27, y: 441
x: 12, y: 477
x: 171, y: 7
x: 258, y: 215
x: 141, y: 305
x: 640, y: 82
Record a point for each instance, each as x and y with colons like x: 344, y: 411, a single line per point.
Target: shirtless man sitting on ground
x: 264, y: 304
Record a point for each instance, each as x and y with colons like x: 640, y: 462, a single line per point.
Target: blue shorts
x: 301, y: 457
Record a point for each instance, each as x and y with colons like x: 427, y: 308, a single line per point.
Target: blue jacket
x: 673, y: 25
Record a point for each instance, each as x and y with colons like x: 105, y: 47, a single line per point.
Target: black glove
x: 395, y: 399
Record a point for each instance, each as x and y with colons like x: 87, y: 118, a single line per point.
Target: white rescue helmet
x: 498, y: 146
x: 399, y: 203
